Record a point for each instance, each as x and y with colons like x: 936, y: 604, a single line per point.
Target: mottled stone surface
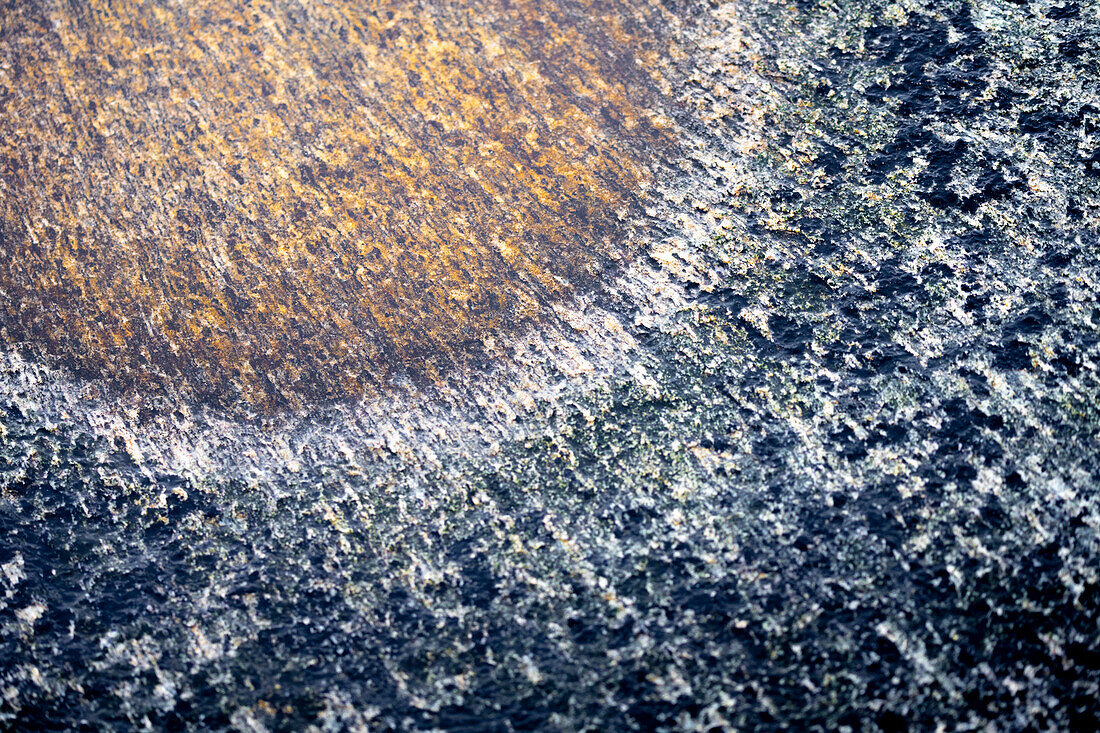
x: 272, y: 203
x: 824, y: 458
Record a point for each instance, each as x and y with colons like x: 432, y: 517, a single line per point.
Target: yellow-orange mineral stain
x: 271, y: 202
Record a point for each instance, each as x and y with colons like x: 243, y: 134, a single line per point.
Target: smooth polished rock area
x: 820, y: 453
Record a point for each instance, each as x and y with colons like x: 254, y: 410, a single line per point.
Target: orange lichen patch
x: 268, y: 202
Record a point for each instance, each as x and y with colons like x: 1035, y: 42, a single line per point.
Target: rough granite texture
x: 275, y: 203
x: 825, y: 457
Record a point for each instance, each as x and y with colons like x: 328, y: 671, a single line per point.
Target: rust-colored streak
x: 266, y: 203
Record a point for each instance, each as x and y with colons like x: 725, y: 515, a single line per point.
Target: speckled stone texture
x: 266, y: 204
x: 824, y: 457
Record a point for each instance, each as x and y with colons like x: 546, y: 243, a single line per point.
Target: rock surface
x: 823, y: 457
x: 279, y: 203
